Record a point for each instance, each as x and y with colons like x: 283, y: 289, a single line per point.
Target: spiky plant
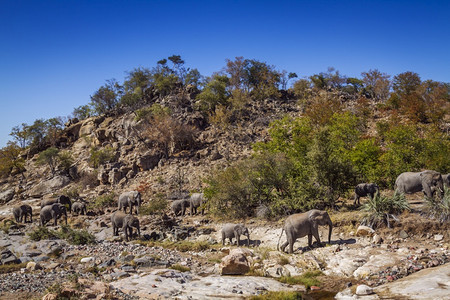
x: 439, y: 208
x: 380, y: 209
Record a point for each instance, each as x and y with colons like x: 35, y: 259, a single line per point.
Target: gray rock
x: 7, y: 195
x: 117, y: 275
x: 403, y: 234
x: 41, y: 258
x: 438, y: 237
x: 7, y: 257
x: 144, y: 262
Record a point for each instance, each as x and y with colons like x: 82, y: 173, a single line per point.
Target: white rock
x: 438, y: 237
x: 87, y: 259
x: 363, y: 289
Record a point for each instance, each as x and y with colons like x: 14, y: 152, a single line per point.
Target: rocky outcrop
x: 235, y: 263
x: 7, y: 195
x: 48, y: 186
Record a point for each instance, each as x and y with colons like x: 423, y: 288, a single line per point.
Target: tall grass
x: 439, y: 208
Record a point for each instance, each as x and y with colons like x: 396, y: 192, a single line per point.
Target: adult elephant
x: 121, y: 220
x: 427, y: 181
x: 79, y: 208
x: 54, y: 211
x: 300, y: 225
x: 196, y: 200
x: 62, y: 199
x: 130, y: 199
x: 21, y: 212
x: 364, y: 189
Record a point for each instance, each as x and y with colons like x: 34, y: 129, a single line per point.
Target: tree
x: 285, y: 77
x: 215, y: 93
x: 331, y: 80
x: 237, y: 72
x: 21, y: 135
x: 49, y: 157
x: 406, y: 83
x: 54, y: 129
x: 261, y: 79
x: 106, y: 97
x: 82, y: 112
x: 376, y: 84
x: 10, y: 160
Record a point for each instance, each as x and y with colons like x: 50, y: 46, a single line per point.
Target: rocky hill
x: 182, y: 257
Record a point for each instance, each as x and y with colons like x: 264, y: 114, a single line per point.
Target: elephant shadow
x: 254, y: 243
x: 315, y: 244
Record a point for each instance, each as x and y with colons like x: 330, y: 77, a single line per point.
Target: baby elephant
x: 54, y: 211
x: 21, y: 212
x: 196, y: 201
x: 364, y: 189
x: 121, y: 220
x: 231, y: 231
x: 79, y: 208
x: 179, y: 206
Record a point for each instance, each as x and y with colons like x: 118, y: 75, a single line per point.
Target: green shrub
x: 439, y: 208
x: 154, y: 206
x: 182, y: 246
x: 101, y: 156
x: 279, y: 296
x: 180, y: 268
x: 380, y: 209
x: 307, y: 279
x: 103, y: 201
x: 74, y: 237
x: 11, y: 268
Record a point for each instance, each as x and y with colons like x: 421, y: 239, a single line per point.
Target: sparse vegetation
x: 279, y: 296
x: 307, y: 279
x: 11, y: 268
x: 180, y: 268
x: 380, y: 209
x: 182, y: 246
x: 103, y: 201
x: 101, y: 156
x: 155, y: 206
x: 439, y: 209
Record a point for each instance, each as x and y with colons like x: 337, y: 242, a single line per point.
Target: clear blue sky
x: 55, y: 54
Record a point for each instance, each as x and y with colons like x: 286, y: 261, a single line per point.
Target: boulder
x: 7, y: 257
x: 7, y: 195
x: 147, y: 162
x: 364, y: 231
x: 277, y: 271
x: 32, y: 266
x: 49, y: 186
x: 363, y: 290
x: 235, y: 263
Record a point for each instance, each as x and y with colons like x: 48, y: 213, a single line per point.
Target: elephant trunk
x: 330, y: 224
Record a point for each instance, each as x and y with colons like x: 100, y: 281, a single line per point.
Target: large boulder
x: 235, y: 263
x: 48, y: 186
x: 6, y: 195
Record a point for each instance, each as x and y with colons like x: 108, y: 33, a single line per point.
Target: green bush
x: 439, y: 209
x: 101, y: 156
x: 74, y: 237
x: 279, y: 296
x: 380, y: 209
x: 103, y: 201
x: 180, y: 268
x: 154, y: 206
x: 308, y: 279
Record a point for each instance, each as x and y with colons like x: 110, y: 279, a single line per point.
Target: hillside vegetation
x: 254, y: 138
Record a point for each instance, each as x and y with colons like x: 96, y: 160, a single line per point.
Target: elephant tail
x: 278, y: 244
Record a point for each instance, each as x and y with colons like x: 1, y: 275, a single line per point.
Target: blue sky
x: 55, y: 54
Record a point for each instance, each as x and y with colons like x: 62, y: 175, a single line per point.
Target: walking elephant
x: 79, y: 208
x: 130, y: 199
x: 231, y: 231
x: 427, y: 181
x: 60, y: 199
x: 196, y: 201
x: 21, y: 212
x: 364, y: 189
x: 54, y: 211
x: 300, y: 225
x: 125, y: 221
x: 179, y: 206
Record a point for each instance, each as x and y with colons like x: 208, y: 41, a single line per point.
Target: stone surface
x: 171, y: 284
x: 431, y: 283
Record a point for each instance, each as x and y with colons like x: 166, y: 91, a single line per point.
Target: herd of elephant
x: 296, y: 226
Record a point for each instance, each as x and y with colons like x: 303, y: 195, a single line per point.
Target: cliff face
x: 135, y: 160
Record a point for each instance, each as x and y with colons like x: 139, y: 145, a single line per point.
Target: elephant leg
x: 309, y: 240
x: 223, y: 239
x: 316, y: 235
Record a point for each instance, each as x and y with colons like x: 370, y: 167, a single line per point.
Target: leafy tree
x: 406, y: 83
x: 37, y: 132
x: 65, y: 160
x: 261, y: 79
x: 285, y: 77
x: 82, y: 112
x: 101, y: 156
x: 302, y: 89
x: 21, y: 134
x: 331, y: 80
x: 49, y: 157
x: 106, y: 98
x: 54, y: 129
x: 214, y: 93
x: 10, y: 160
x: 237, y: 72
